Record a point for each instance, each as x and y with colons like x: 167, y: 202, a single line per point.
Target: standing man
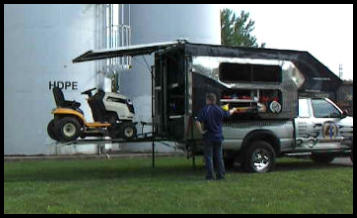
x: 212, y: 116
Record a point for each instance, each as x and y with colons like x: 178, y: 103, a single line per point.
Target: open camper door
x: 171, y: 93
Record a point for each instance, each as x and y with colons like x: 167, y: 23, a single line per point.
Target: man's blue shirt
x: 212, y: 117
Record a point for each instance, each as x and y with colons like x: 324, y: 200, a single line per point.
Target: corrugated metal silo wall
x: 157, y: 23
x: 40, y: 43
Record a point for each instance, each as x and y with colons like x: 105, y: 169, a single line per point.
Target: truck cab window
x: 324, y: 109
x: 304, y: 110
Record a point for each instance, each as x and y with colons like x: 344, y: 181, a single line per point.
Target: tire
x: 128, y: 130
x: 320, y: 158
x: 51, y: 130
x: 68, y: 129
x: 259, y: 157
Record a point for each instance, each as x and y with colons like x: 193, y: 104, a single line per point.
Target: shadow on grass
x: 65, y: 173
x: 295, y: 164
x: 183, y: 171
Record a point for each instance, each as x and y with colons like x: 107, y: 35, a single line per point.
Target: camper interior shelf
x: 265, y: 101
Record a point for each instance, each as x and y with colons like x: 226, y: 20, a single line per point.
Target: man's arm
x: 199, y: 127
x: 200, y: 118
x: 227, y: 113
x: 232, y: 111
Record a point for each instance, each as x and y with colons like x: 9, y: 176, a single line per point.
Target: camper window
x: 233, y: 72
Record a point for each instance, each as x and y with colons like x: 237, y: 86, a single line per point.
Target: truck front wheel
x: 259, y: 157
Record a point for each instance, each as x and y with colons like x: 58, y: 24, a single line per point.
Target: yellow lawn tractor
x: 113, y: 116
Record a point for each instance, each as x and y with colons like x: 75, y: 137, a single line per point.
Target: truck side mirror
x: 344, y: 113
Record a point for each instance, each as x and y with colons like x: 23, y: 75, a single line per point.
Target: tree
x: 237, y: 30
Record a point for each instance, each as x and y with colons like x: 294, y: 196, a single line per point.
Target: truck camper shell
x: 184, y: 72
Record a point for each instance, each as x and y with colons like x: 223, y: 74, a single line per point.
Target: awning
x: 318, y: 76
x: 124, y: 51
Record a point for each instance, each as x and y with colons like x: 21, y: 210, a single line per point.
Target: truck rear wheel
x: 259, y: 157
x: 68, y: 129
x: 320, y: 158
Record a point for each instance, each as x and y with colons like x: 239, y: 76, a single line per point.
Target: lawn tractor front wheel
x: 68, y: 129
x: 128, y: 130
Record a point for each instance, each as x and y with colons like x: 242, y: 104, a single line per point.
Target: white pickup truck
x: 321, y: 130
x: 183, y: 73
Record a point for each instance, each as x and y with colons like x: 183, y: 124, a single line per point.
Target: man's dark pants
x: 213, y: 152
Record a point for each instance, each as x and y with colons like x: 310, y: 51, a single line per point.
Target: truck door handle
x: 317, y: 125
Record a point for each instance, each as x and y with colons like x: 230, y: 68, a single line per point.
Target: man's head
x: 211, y: 98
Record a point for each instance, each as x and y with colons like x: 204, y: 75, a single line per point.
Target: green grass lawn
x: 132, y: 186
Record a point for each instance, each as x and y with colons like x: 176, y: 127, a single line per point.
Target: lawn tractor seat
x: 61, y: 101
x: 95, y: 102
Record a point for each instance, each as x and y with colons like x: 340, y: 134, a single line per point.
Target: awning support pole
x: 153, y: 153
x: 193, y: 155
x: 152, y: 116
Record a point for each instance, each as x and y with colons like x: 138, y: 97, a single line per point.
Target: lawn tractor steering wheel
x: 88, y: 92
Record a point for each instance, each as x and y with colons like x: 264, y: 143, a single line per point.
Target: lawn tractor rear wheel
x: 51, y: 130
x: 68, y: 129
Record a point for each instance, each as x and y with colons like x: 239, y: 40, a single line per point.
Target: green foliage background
x: 237, y: 30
